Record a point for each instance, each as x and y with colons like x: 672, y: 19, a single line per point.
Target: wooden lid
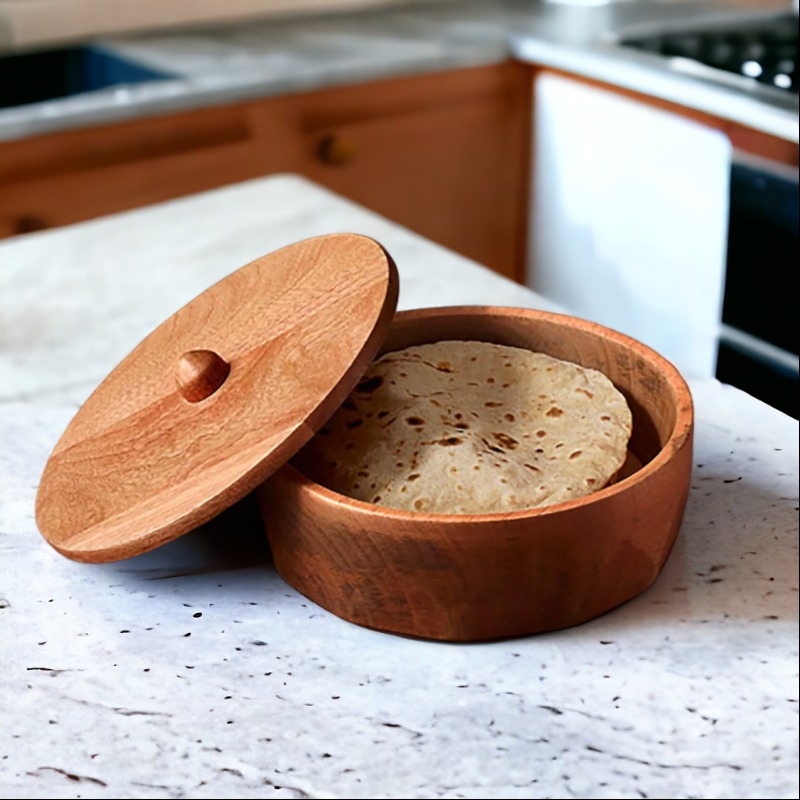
x: 217, y: 398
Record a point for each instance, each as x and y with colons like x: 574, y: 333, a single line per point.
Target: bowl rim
x: 681, y: 432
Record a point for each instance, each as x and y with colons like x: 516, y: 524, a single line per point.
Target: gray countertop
x: 214, y: 66
x: 195, y: 671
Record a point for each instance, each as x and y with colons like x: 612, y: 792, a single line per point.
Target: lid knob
x: 200, y: 373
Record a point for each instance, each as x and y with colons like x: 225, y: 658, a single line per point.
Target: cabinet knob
x: 28, y: 223
x: 337, y: 151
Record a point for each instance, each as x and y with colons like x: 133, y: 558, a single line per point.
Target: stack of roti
x: 460, y: 427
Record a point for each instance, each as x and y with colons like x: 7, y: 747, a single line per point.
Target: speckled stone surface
x: 195, y: 672
x: 248, y: 60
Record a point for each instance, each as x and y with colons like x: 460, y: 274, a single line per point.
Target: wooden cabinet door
x: 456, y: 175
x: 445, y: 155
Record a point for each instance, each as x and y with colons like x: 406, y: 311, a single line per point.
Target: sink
x: 51, y: 74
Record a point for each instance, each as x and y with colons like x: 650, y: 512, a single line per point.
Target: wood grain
x: 467, y: 578
x: 172, y: 437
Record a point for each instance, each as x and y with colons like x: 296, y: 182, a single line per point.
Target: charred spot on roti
x: 490, y: 446
x: 354, y: 423
x: 415, y: 421
x: 506, y: 440
x: 555, y: 411
x: 492, y: 404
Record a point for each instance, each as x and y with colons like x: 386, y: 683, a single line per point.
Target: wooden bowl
x: 473, y: 577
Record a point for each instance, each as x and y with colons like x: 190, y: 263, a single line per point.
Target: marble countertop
x: 194, y: 671
x: 213, y: 66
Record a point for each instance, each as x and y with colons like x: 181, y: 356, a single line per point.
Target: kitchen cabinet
x: 445, y: 154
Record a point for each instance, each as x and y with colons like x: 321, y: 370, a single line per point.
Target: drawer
x: 58, y: 179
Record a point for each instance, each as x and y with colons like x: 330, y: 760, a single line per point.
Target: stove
x: 750, y: 54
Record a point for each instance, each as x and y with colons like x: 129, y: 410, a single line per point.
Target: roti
x: 463, y: 427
